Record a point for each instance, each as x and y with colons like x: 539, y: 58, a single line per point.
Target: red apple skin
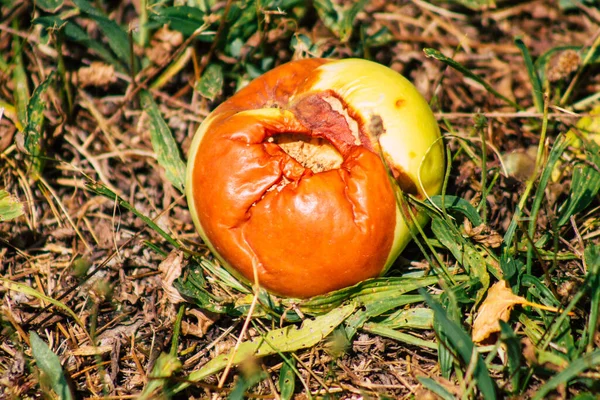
x: 270, y: 219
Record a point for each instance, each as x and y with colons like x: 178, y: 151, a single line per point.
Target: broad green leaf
x: 211, y: 82
x: 287, y: 378
x: 376, y: 308
x: 193, y: 289
x: 50, y: 365
x: 380, y: 38
x: 412, y: 318
x: 244, y: 383
x: 463, y: 251
x: 456, y: 204
x: 49, y: 5
x: 163, y: 143
x: 34, y: 128
x: 75, y: 33
x: 327, y: 13
x: 243, y: 21
x: 348, y: 17
x: 372, y: 291
x: 117, y: 38
x: 339, y: 18
x: 10, y: 206
x: 181, y: 18
x: 463, y: 346
x: 281, y: 340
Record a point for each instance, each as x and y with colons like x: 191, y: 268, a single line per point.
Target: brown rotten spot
x: 285, y: 183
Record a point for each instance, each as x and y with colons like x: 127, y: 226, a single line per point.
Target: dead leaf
x: 497, y: 306
x: 483, y: 234
x: 92, y: 350
x: 97, y: 74
x: 170, y: 270
x: 205, y: 320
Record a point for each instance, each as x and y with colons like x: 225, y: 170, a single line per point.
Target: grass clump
x: 107, y: 293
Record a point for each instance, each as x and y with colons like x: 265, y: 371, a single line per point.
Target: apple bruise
x: 271, y: 202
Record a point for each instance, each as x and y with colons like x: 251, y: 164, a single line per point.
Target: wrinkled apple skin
x: 301, y: 233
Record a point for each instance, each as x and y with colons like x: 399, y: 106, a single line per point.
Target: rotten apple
x: 286, y: 183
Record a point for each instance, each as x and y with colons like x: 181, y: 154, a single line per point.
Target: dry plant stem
x: 65, y: 212
x: 213, y: 46
x: 512, y: 115
x: 538, y: 168
x: 88, y: 276
x: 31, y: 216
x: 468, y: 378
x: 144, y: 84
x: 244, y: 329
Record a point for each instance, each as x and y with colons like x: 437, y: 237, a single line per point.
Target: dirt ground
x: 104, y: 300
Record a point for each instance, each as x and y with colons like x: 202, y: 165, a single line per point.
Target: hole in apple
x: 316, y: 154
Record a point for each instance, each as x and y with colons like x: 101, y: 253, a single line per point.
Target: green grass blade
x: 433, y: 53
x: 280, y: 340
x: 50, y: 365
x: 585, y: 184
x: 29, y: 291
x: 436, y: 388
x: 537, y: 91
x: 102, y: 190
x: 560, y: 145
x: 513, y: 353
x: 592, y: 261
x: 588, y: 361
x: 464, y: 347
x: 381, y: 330
x: 10, y: 206
x: 21, y: 91
x: 163, y: 143
x: 166, y: 365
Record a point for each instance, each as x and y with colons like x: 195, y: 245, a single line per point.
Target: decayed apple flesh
x: 285, y: 184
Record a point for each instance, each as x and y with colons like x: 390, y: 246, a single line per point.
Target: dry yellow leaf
x: 497, y: 306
